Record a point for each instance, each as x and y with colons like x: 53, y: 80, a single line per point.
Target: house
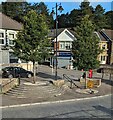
x: 108, y: 36
x: 8, y: 31
x: 65, y: 38
x: 103, y: 44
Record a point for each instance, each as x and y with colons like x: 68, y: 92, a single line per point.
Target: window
x: 11, y: 42
x: 1, y: 41
x: 68, y: 45
x: 103, y: 58
x: 1, y: 38
x: 104, y: 46
x: 11, y: 38
x: 1, y: 35
x: 62, y: 45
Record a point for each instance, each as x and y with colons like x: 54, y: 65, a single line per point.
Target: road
x: 49, y: 73
x: 94, y: 108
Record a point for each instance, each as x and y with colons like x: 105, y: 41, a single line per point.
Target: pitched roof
x: 101, y: 37
x: 8, y: 23
x: 108, y: 32
x: 52, y: 32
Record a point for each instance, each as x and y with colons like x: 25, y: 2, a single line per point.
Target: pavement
x: 45, y: 92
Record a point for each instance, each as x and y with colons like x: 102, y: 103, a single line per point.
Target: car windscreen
x: 7, y: 68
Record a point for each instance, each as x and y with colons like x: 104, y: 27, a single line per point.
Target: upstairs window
x: 68, y: 45
x: 62, y: 45
x: 104, y: 46
x: 11, y: 38
x: 2, y: 38
x: 1, y: 35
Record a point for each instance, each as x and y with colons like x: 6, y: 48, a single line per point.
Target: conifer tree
x: 99, y: 18
x: 86, y: 48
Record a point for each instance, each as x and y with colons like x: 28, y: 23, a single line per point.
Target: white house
x: 65, y: 38
x: 8, y: 31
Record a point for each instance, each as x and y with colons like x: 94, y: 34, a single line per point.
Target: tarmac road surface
x: 94, y: 108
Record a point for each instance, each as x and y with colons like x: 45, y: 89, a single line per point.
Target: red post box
x: 90, y: 73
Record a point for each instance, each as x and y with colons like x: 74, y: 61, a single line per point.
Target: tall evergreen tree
x: 63, y: 21
x: 86, y: 48
x: 109, y: 18
x: 32, y: 42
x: 75, y: 17
x: 86, y: 8
x: 99, y: 18
x: 16, y: 10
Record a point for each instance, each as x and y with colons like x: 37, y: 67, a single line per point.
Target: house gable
x: 65, y: 35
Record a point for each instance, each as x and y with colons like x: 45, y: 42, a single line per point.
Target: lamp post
x: 60, y: 9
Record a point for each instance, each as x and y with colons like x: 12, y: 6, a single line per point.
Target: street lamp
x: 60, y: 9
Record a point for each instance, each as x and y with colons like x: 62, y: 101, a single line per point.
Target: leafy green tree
x: 99, y: 18
x: 32, y: 42
x: 86, y: 48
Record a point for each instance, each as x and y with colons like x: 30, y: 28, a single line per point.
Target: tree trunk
x: 34, y: 72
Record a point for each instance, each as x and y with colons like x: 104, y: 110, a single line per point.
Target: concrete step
x: 24, y: 91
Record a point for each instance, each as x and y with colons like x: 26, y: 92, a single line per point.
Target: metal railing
x: 72, y: 82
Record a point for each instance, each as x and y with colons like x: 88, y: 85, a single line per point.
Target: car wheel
x: 29, y: 75
x: 10, y: 76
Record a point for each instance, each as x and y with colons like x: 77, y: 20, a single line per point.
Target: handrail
x: 69, y: 80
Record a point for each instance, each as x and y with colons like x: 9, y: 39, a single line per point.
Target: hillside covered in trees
x: 98, y: 16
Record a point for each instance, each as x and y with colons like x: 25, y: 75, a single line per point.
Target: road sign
x: 90, y: 84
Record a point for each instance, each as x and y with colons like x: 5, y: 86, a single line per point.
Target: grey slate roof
x: 8, y: 23
x: 52, y: 32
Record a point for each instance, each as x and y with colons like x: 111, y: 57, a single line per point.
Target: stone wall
x: 8, y: 84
